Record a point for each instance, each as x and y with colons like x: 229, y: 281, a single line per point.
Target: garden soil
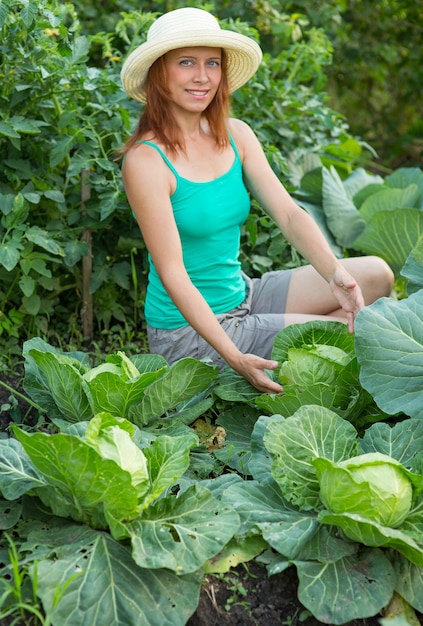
x: 245, y: 596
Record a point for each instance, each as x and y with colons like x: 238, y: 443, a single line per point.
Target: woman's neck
x: 193, y: 126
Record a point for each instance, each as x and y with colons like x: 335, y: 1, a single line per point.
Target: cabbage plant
x: 318, y: 366
x: 115, y: 538
x: 143, y: 388
x: 365, y: 212
x: 346, y: 511
x: 372, y: 485
x: 313, y: 363
x: 376, y: 500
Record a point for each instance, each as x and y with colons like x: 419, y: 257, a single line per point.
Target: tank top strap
x: 162, y: 154
x: 233, y: 144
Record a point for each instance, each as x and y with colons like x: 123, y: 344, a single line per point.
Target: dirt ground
x: 246, y: 596
x: 249, y: 597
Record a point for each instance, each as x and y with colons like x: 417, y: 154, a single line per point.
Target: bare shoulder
x: 245, y: 139
x: 148, y: 183
x: 141, y: 156
x: 144, y: 165
x: 239, y: 129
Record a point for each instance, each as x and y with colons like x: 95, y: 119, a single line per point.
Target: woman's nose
x: 201, y: 74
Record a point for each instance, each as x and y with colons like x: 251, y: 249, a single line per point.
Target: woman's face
x: 194, y: 76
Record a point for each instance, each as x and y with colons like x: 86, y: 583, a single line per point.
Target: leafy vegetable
x: 119, y: 479
x: 389, y: 344
x: 140, y: 535
x: 313, y: 363
x: 368, y: 213
x: 112, y: 441
x: 99, y: 583
x: 142, y: 389
x: 313, y: 357
x: 283, y: 502
x: 295, y: 441
x: 373, y: 485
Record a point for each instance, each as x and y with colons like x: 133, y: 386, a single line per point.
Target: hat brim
x: 244, y: 57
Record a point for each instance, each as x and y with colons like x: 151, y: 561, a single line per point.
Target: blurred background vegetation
x: 375, y: 72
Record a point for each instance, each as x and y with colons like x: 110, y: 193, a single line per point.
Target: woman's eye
x: 186, y: 62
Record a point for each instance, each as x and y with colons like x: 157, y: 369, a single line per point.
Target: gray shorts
x: 252, y: 326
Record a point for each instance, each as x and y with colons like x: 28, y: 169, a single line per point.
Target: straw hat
x: 183, y: 28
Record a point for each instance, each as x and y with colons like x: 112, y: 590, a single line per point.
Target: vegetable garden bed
x: 245, y: 596
x: 180, y: 495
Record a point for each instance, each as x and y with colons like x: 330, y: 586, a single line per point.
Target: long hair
x: 157, y: 118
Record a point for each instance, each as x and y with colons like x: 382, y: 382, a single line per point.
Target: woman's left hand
x: 348, y: 294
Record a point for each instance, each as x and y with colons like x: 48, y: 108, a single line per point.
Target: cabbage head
x: 374, y: 486
x: 314, y: 363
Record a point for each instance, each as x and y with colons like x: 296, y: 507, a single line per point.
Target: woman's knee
x: 376, y: 278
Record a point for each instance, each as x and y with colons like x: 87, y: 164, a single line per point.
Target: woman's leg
x: 309, y: 295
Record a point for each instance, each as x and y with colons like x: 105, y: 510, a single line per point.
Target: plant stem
x: 20, y: 395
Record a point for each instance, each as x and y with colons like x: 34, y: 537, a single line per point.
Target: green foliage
x: 365, y: 212
x: 88, y: 475
x: 77, y: 562
x: 395, y: 364
x: 60, y: 121
x: 282, y: 501
x: 378, y: 72
x: 18, y: 594
x: 153, y: 503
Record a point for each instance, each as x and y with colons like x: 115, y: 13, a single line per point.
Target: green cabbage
x: 111, y: 437
x: 374, y: 486
x: 313, y: 363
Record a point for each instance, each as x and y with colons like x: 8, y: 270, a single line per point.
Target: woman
x: 188, y: 172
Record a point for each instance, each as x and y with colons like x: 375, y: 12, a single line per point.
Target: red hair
x: 157, y: 118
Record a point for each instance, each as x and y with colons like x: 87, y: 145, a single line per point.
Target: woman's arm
x: 297, y: 226
x: 148, y: 184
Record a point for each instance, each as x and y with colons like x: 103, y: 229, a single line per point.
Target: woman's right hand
x: 252, y: 368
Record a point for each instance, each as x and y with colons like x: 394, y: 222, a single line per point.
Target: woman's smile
x: 197, y: 93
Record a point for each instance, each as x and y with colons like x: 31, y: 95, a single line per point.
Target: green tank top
x: 209, y: 216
